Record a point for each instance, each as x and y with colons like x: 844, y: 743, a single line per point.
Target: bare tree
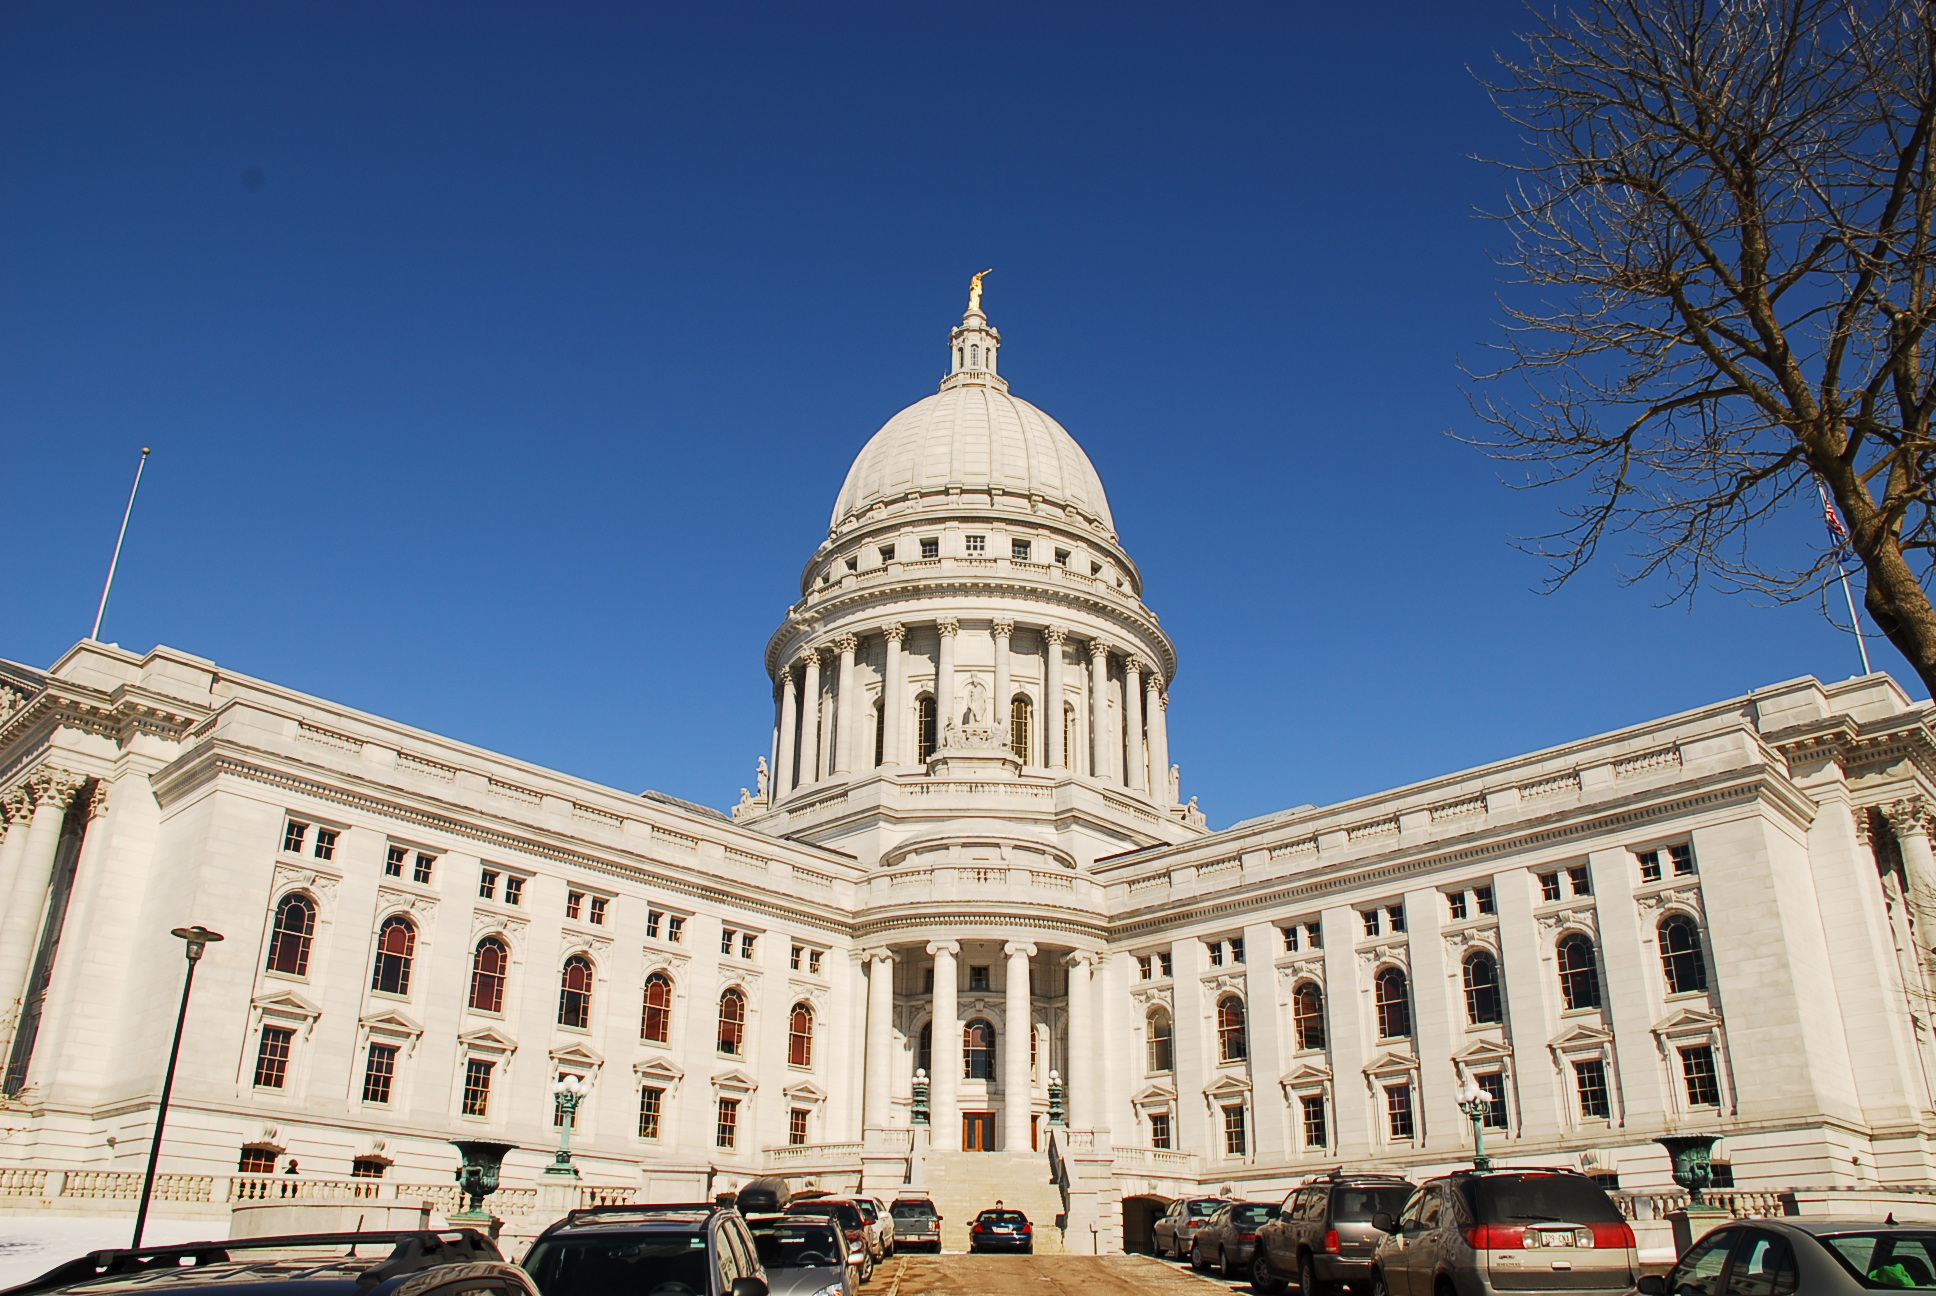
x: 1722, y: 224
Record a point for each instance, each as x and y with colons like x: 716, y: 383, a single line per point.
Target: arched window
x: 978, y: 1050
x: 732, y: 1023
x: 1307, y: 1014
x: 1162, y: 1053
x: 1482, y: 1006
x: 800, y: 1036
x: 655, y: 1027
x: 489, y: 963
x: 575, y: 992
x: 1232, y: 1046
x: 1680, y: 954
x: 1393, y: 1003
x: 880, y: 731
x: 396, y: 946
x: 289, y: 940
x: 974, y: 356
x: 1579, y: 972
x: 924, y: 1051
x: 924, y: 726
x: 1069, y: 743
x: 1021, y: 725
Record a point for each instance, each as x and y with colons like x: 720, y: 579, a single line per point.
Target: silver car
x: 803, y: 1255
x: 1803, y: 1257
x: 1519, y: 1230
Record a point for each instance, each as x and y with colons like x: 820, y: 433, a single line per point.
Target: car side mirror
x: 1382, y: 1221
x: 748, y: 1287
x: 1653, y: 1285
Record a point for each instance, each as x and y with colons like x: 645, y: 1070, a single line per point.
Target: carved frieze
x: 389, y: 900
x: 1581, y: 916
x: 289, y: 876
x: 1459, y: 940
x: 1152, y: 996
x: 1683, y: 897
x: 1385, y: 952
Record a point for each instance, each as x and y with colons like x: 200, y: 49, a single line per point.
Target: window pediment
x: 487, y: 1041
x: 1155, y: 1095
x: 1227, y: 1086
x: 1688, y: 1021
x: 736, y: 1081
x: 391, y: 1023
x: 570, y: 1055
x: 1308, y: 1073
x: 1582, y: 1039
x: 1484, y: 1050
x: 1391, y: 1064
x: 658, y: 1069
x: 286, y: 1004
x: 806, y: 1091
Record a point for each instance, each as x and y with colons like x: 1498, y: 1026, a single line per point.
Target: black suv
x: 1323, y: 1236
x: 677, y: 1249
x: 450, y: 1262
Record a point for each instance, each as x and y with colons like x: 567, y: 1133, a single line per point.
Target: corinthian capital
x: 54, y: 787
x: 1004, y: 627
x: 847, y: 643
x: 1055, y: 634
x: 809, y: 658
x: 1153, y: 681
x: 948, y: 626
x: 18, y: 804
x: 1100, y: 648
x: 894, y: 631
x: 1909, y: 816
x: 1136, y: 665
x: 97, y: 800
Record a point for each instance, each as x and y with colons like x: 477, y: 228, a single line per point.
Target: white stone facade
x: 969, y: 815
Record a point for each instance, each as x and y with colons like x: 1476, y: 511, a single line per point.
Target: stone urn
x: 1693, y: 1168
x: 479, y: 1162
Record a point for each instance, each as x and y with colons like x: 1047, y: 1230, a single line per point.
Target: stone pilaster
x: 1053, y: 638
x: 893, y: 693
x: 944, y: 677
x: 843, y: 755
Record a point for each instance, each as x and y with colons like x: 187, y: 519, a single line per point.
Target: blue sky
x: 502, y: 361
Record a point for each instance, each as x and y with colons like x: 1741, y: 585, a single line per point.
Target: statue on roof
x: 974, y: 291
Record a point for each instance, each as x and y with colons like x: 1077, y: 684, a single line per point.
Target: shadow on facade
x: 1139, y: 1222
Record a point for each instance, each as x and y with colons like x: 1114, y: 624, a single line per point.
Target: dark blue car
x: 1001, y: 1230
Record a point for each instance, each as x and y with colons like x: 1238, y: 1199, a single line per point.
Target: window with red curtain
x: 1232, y: 1044
x: 656, y: 1026
x: 732, y: 1022
x: 489, y: 962
x: 396, y: 947
x: 575, y: 992
x: 800, y: 1036
x: 289, y: 941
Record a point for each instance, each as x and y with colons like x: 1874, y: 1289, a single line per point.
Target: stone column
x: 1052, y: 700
x: 1099, y: 761
x: 944, y: 1050
x: 1909, y: 819
x: 844, y: 712
x: 1004, y: 683
x: 944, y: 679
x: 18, y: 807
x: 1154, y: 707
x: 810, y: 720
x: 1135, y: 757
x: 1082, y: 1072
x: 783, y: 781
x: 52, y: 790
x: 879, y: 1102
x: 893, y: 694
x: 1019, y: 1015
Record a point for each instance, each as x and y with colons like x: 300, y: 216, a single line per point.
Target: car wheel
x: 1261, y: 1277
x: 1223, y: 1264
x: 1196, y: 1257
x: 1378, y: 1287
x: 1307, y: 1277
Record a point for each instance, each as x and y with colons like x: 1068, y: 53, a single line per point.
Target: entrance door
x: 978, y: 1131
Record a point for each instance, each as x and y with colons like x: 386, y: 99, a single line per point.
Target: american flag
x: 1837, y: 533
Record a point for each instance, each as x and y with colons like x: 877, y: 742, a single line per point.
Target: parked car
x: 676, y: 1249
x: 1516, y: 1230
x: 1802, y: 1257
x: 306, y: 1264
x: 916, y: 1223
x: 1177, y: 1227
x: 881, y: 1221
x: 997, y: 1229
x: 1323, y: 1236
x: 846, y: 1216
x: 802, y: 1255
x: 1229, y: 1238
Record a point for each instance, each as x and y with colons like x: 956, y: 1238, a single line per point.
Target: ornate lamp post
x: 919, y: 1113
x: 199, y: 938
x: 1056, y: 1117
x: 1473, y: 1102
x: 567, y: 1093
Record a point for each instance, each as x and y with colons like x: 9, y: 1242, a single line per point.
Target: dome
x: 973, y: 436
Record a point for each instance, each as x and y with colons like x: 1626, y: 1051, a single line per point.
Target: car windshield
x: 1536, y: 1199
x: 869, y: 1211
x: 1252, y: 1214
x: 1198, y: 1209
x: 1888, y: 1259
x: 791, y: 1245
x: 622, y: 1264
x: 1358, y: 1205
x: 844, y: 1212
x: 1004, y: 1219
x: 912, y: 1210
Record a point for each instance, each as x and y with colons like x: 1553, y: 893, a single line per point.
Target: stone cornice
x: 118, y: 715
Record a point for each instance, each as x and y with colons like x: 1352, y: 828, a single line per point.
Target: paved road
x: 1049, y: 1275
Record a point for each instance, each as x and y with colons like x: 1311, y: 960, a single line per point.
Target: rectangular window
x: 813, y: 962
x: 1482, y: 896
x: 675, y: 929
x: 1581, y: 879
x: 1683, y: 859
x: 1290, y: 939
x: 793, y: 957
x: 514, y: 890
x: 1236, y: 949
x: 574, y: 905
x: 978, y: 976
x: 1216, y: 952
x: 1590, y: 1079
x: 1649, y: 866
x: 1234, y: 1142
x: 292, y: 837
x: 726, y: 935
x: 1159, y: 1129
x: 487, y: 884
x: 653, y: 918
x: 853, y: 562
x: 930, y: 547
x: 1163, y: 961
x: 1373, y: 920
x: 1145, y: 969
x: 368, y: 1168
x: 887, y: 553
x: 379, y: 1070
x: 1493, y: 1085
x: 1549, y: 886
x: 421, y: 873
x: 1455, y: 905
x: 797, y: 1127
x: 272, y: 1057
x: 255, y: 1160
x: 1062, y: 557
x: 726, y: 1133
x: 1316, y: 1135
x: 1314, y: 933
x: 1697, y: 1069
x: 651, y: 1104
x: 393, y: 861
x: 1018, y: 550
x: 596, y: 913
x: 1397, y: 915
x: 1398, y: 1111
x: 976, y: 543
x: 477, y: 1087
x: 746, y: 940
x: 325, y: 843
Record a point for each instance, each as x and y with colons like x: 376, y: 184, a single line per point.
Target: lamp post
x: 567, y: 1093
x: 1473, y: 1102
x: 1056, y: 1113
x: 920, y: 1112
x: 199, y: 938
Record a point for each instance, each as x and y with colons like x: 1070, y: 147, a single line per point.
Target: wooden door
x: 978, y: 1131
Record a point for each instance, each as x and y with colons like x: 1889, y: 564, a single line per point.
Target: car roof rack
x: 645, y: 1208
x: 1521, y: 1169
x: 409, y: 1253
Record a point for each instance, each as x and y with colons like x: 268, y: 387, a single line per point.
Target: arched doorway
x: 1139, y: 1221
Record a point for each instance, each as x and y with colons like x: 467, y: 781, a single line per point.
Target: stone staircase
x: 963, y: 1184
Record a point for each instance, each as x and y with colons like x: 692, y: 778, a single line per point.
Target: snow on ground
x: 30, y: 1245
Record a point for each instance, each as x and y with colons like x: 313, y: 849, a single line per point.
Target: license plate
x: 1557, y: 1239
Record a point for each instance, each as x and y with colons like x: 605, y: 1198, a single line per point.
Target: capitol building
x: 968, y: 932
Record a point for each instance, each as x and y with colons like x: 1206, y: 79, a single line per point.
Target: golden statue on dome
x: 974, y: 291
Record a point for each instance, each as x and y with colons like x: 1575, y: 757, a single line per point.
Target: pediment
x: 1581, y: 1037
x: 391, y: 1022
x: 1306, y: 1073
x: 577, y: 1055
x: 1155, y: 1094
x: 658, y: 1068
x: 1688, y: 1021
x: 1390, y: 1063
x: 1227, y: 1085
x: 1483, y: 1050
x: 287, y: 1003
x: 486, y: 1040
x: 805, y: 1091
x: 735, y: 1079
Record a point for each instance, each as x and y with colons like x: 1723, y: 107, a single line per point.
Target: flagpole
x: 1839, y: 534
x: 114, y: 562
